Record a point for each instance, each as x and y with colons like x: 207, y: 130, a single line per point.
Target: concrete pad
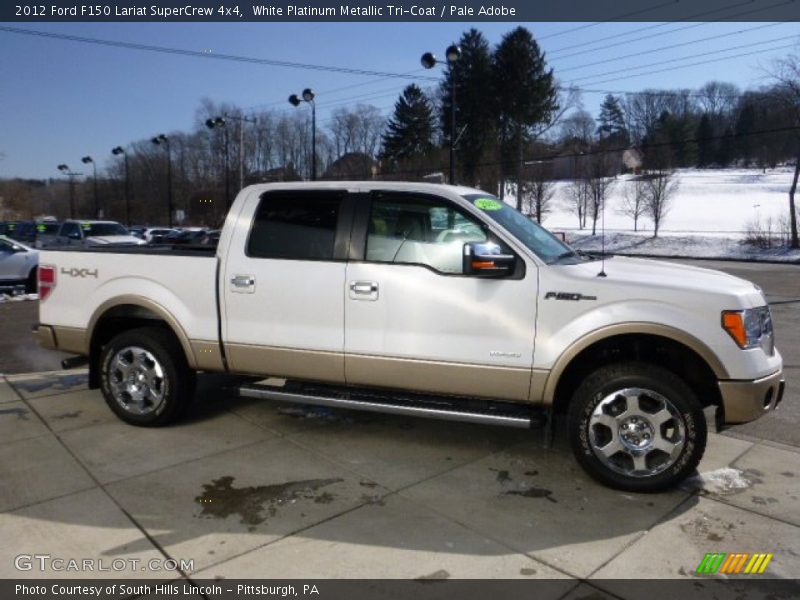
x: 7, y: 393
x: 398, y: 451
x: 86, y: 525
x: 223, y: 505
x: 721, y: 451
x: 397, y: 538
x: 775, y: 489
x: 73, y: 410
x: 675, y: 547
x: 38, y: 469
x: 541, y: 503
x: 116, y: 450
x: 37, y: 385
x: 19, y: 422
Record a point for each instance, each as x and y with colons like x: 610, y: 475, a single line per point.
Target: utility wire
x: 207, y: 55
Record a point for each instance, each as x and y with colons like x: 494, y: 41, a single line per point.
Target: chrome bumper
x: 744, y: 401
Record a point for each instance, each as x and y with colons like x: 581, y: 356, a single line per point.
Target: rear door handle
x: 364, y: 290
x: 245, y: 284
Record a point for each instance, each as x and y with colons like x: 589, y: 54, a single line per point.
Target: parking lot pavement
x: 259, y: 489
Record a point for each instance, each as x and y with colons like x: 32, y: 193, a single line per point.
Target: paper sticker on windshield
x: 488, y: 204
x: 86, y: 225
x: 41, y: 228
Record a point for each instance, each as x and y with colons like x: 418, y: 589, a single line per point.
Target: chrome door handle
x: 363, y: 290
x: 243, y: 280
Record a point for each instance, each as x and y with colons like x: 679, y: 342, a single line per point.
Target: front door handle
x: 243, y: 283
x: 364, y: 290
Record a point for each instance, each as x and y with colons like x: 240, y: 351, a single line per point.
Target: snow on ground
x: 707, y: 201
x: 17, y: 297
x: 710, y: 213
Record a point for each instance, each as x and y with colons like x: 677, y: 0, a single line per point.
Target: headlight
x: 750, y: 328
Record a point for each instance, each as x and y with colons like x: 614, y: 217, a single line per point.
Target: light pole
x: 86, y: 160
x: 116, y: 152
x: 213, y: 124
x: 428, y: 60
x: 72, y: 175
x: 295, y: 100
x: 158, y: 140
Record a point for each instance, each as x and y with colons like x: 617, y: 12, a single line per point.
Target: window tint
x: 294, y: 226
x: 424, y: 232
x: 69, y: 228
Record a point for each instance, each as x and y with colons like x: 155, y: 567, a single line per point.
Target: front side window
x: 102, y: 229
x: 422, y: 232
x: 70, y: 230
x: 294, y: 226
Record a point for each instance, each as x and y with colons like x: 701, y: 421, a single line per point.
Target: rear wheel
x: 637, y: 427
x: 144, y: 377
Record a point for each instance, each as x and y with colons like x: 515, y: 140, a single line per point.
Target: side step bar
x: 465, y: 410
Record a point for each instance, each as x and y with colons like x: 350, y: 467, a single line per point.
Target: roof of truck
x: 411, y: 186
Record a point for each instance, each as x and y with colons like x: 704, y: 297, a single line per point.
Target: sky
x: 61, y: 100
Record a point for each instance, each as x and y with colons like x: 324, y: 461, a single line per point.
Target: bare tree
x: 786, y: 72
x: 577, y: 199
x: 633, y: 201
x: 599, y: 183
x: 660, y: 190
x: 538, y: 189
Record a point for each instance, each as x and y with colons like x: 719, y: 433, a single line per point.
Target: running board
x: 505, y: 414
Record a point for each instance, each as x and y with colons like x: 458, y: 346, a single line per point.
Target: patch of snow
x: 721, y: 481
x: 17, y: 297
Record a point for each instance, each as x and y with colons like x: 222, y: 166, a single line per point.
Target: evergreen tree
x: 525, y: 93
x: 474, y: 109
x: 409, y: 133
x: 706, y: 151
x: 612, y: 129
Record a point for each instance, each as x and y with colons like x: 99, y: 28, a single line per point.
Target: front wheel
x: 145, y: 378
x: 636, y: 427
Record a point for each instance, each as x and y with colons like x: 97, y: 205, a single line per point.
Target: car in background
x: 46, y: 233
x: 156, y: 235
x: 185, y: 237
x: 95, y: 233
x: 18, y: 264
x: 138, y: 231
x: 211, y: 238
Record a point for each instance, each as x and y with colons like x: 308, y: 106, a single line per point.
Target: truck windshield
x: 101, y: 229
x: 540, y: 241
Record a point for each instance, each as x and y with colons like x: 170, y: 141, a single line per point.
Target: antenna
x: 602, y: 272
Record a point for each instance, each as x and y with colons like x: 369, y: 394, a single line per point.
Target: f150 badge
x: 75, y: 272
x: 567, y: 296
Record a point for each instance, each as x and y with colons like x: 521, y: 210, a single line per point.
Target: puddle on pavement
x: 254, y: 504
x: 56, y: 382
x: 68, y: 415
x: 533, y: 493
x: 22, y: 414
x: 707, y: 528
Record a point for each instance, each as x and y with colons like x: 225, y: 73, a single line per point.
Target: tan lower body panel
x: 286, y: 362
x: 71, y: 339
x: 439, y: 377
x: 207, y: 356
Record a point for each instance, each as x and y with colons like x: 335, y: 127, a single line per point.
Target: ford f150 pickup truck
x: 427, y: 300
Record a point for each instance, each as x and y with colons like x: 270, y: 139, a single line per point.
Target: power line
x: 627, y: 70
x: 649, y: 37
x: 673, y: 46
x: 199, y: 54
x: 611, y: 20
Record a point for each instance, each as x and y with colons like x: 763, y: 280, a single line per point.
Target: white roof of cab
x: 366, y: 186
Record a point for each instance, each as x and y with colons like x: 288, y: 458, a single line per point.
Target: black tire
x: 32, y: 283
x: 615, y: 386
x: 176, y: 383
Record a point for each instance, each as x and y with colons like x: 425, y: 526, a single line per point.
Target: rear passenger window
x: 293, y: 226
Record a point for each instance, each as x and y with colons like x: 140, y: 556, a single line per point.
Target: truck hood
x: 651, y: 276
x: 116, y: 240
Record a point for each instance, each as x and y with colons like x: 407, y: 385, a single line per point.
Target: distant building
x: 353, y: 165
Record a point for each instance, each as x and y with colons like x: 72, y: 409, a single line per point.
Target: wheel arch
x: 126, y: 312
x: 685, y: 355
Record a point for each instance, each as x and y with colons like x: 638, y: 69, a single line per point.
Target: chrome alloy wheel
x: 136, y: 380
x: 636, y: 432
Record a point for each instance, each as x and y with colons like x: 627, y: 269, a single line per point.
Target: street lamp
x: 452, y: 56
x: 213, y: 124
x: 86, y: 160
x: 72, y: 175
x: 116, y: 152
x: 295, y: 100
x: 159, y: 140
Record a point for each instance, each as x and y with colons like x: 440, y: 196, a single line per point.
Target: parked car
x: 156, y: 235
x: 95, y: 233
x: 428, y: 300
x: 21, y: 231
x: 138, y: 231
x: 184, y: 236
x: 18, y: 264
x: 210, y: 238
x: 46, y: 233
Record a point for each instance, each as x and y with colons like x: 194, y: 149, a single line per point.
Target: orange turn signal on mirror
x: 733, y: 323
x: 488, y: 264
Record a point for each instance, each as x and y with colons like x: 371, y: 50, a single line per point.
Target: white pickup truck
x: 427, y: 300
